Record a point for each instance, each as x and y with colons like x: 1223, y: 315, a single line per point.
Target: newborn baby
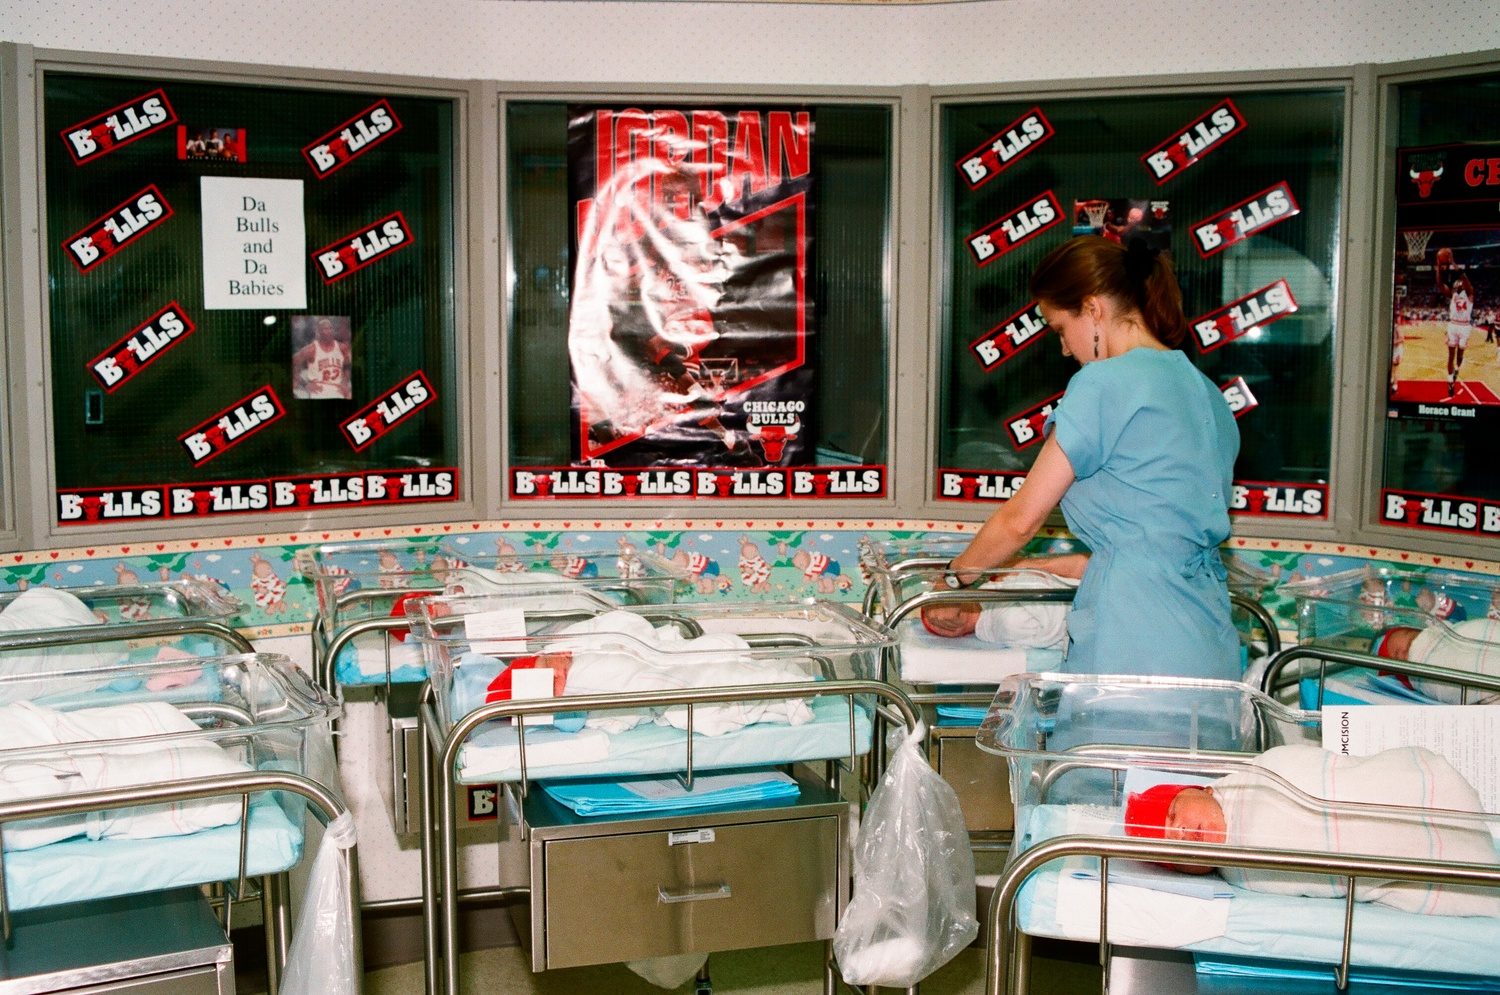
x: 1037, y: 625
x: 1472, y: 647
x: 620, y: 651
x: 1255, y: 808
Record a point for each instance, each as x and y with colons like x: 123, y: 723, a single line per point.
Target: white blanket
x: 46, y: 608
x: 1260, y: 812
x: 1476, y: 651
x: 76, y: 765
x: 1026, y: 625
x: 620, y: 651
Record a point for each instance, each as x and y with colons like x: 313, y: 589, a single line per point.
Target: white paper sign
x: 496, y: 631
x: 1464, y: 735
x: 254, y: 244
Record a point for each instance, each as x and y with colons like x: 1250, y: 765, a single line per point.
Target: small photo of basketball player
x: 1443, y: 343
x: 212, y: 144
x: 322, y: 362
x: 1119, y: 219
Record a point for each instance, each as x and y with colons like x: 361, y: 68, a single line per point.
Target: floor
x: 1061, y: 969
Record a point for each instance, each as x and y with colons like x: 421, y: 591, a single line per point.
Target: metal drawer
x: 981, y: 780
x: 635, y: 895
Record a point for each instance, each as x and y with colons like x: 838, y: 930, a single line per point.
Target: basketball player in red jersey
x: 322, y: 369
x: 1460, y: 295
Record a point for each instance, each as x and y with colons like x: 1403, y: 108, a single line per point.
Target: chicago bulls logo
x: 773, y: 439
x: 1425, y: 179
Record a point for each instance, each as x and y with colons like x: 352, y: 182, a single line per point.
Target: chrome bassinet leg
x: 430, y: 938
x: 275, y: 909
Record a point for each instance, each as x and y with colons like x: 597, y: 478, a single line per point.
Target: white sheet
x: 930, y: 659
x: 46, y: 608
x: 75, y: 766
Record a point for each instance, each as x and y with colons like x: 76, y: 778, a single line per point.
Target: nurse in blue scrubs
x: 1140, y: 454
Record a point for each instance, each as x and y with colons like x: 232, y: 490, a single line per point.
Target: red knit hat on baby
x: 1146, y: 811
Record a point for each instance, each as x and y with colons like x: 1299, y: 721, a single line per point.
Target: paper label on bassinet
x: 1464, y: 735
x: 505, y: 625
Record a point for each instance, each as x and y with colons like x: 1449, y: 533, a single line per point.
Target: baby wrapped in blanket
x: 620, y: 651
x: 1254, y: 808
x: 1471, y: 647
x: 46, y: 608
x: 46, y: 753
x: 1021, y: 625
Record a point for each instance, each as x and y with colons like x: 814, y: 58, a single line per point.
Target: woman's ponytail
x: 1138, y: 276
x: 1156, y: 293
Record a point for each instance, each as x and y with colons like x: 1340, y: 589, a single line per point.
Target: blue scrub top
x: 1152, y: 443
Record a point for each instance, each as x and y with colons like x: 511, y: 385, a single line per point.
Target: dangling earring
x: 1096, y: 341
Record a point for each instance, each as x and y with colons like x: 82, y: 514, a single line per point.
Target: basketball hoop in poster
x: 689, y: 324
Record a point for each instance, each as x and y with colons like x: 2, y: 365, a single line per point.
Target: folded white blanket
x: 46, y: 608
x: 620, y: 651
x: 498, y: 748
x: 63, y: 759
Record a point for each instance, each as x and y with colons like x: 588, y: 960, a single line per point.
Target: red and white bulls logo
x: 773, y: 439
x: 1425, y: 179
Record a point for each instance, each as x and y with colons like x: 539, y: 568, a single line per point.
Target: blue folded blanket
x: 636, y: 795
x: 1220, y: 965
x: 961, y: 715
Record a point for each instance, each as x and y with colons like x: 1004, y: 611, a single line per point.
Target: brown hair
x: 1137, y: 278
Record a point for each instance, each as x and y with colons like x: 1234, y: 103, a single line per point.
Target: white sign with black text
x: 254, y: 244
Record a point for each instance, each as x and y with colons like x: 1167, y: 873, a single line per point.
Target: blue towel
x: 1222, y: 965
x: 961, y: 715
x: 636, y: 795
x: 1362, y: 688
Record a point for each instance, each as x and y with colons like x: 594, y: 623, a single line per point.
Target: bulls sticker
x: 310, y: 493
x: 1020, y: 225
x: 1238, y: 318
x: 1256, y: 497
x: 971, y: 485
x: 125, y: 225
x: 352, y: 139
x: 232, y: 426
x: 1445, y: 512
x: 1234, y: 224
x: 118, y: 127
x: 113, y: 504
x: 393, y: 407
x: 1005, y: 149
x: 768, y: 482
x: 1009, y: 337
x: 1025, y: 429
x: 1201, y: 136
x: 141, y: 347
x: 1237, y: 395
x: 362, y: 248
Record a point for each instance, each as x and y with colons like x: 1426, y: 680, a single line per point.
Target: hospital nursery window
x: 1442, y: 333
x: 698, y: 303
x: 1241, y: 187
x: 250, y: 299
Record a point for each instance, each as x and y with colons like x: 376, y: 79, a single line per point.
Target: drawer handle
x: 705, y: 894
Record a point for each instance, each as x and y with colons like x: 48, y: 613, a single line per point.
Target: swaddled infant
x: 1022, y: 625
x: 1254, y: 808
x: 621, y: 651
x: 1471, y: 647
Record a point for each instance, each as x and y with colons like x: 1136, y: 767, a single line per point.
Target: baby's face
x: 1196, y: 817
x: 951, y: 620
x: 1398, y: 643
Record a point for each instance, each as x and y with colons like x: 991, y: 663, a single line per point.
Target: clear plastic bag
x: 913, y: 904
x: 321, y: 961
